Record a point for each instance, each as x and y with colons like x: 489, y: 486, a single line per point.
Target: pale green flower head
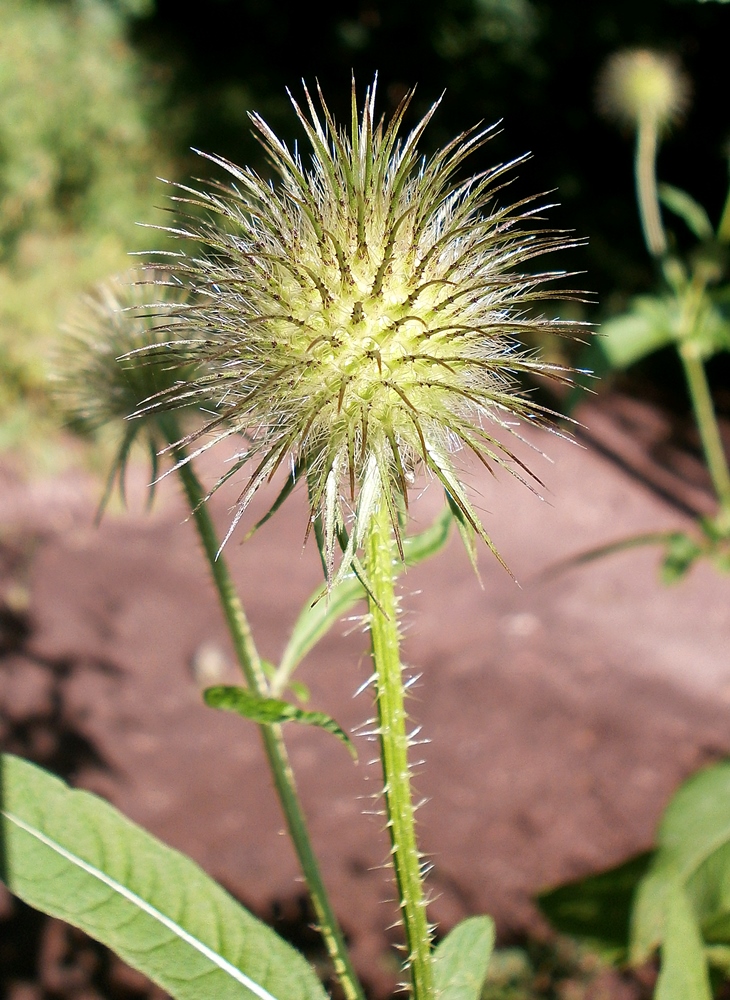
x: 639, y: 86
x: 361, y: 317
x: 107, y: 366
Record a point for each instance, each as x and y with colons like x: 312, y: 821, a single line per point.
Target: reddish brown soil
x: 560, y: 716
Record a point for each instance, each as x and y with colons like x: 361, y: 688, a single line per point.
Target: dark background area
x: 531, y: 64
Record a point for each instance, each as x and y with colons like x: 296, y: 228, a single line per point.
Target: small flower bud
x: 638, y: 86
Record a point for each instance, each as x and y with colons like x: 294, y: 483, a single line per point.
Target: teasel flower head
x: 361, y: 318
x: 107, y: 366
x: 640, y: 87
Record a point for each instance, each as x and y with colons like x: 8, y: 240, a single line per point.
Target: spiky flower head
x: 107, y: 365
x: 362, y: 317
x: 639, y: 86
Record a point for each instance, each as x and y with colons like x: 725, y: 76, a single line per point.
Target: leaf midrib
x: 223, y: 964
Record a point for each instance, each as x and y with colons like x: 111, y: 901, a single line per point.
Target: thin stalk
x: 271, y: 735
x: 394, y: 753
x: 647, y: 142
x: 707, y: 425
x: 723, y: 229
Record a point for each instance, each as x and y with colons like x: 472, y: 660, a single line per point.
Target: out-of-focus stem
x: 707, y: 425
x: 723, y: 229
x: 394, y: 753
x: 271, y: 735
x: 647, y: 142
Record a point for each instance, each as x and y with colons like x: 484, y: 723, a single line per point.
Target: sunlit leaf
x: 71, y: 855
x: 680, y: 555
x: 690, y: 211
x: 271, y: 711
x: 650, y: 324
x: 460, y: 961
x: 323, y: 609
x: 683, y: 974
x: 692, y: 856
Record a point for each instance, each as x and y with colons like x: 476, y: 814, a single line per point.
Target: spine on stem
x: 394, y: 754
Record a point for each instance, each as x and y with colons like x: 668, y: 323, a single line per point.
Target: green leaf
x: 460, y: 961
x: 684, y: 974
x: 73, y: 856
x: 650, y: 324
x: 324, y: 609
x: 692, y: 853
x: 653, y: 322
x: 680, y: 556
x: 315, y: 620
x: 689, y: 210
x: 711, y: 333
x: 597, y: 910
x: 270, y: 711
x: 427, y: 543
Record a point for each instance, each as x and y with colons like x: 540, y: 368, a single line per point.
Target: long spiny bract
x: 362, y: 315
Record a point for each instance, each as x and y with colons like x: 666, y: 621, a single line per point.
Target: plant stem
x: 704, y: 412
x: 647, y: 141
x: 271, y: 735
x: 723, y: 229
x: 394, y: 753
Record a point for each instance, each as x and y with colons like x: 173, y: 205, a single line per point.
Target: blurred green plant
x: 77, y: 158
x: 690, y: 308
x: 674, y: 900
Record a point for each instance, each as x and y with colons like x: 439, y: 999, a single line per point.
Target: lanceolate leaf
x: 689, y: 210
x: 322, y: 610
x: 693, y: 857
x: 684, y: 974
x: 71, y: 855
x: 650, y: 323
x: 270, y: 711
x: 460, y: 961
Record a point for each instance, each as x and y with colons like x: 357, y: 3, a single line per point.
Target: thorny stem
x: 271, y: 735
x: 394, y: 753
x: 647, y: 140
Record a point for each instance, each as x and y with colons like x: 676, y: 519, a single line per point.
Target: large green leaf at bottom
x: 71, y: 855
x: 460, y: 961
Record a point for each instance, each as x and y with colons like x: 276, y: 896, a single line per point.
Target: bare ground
x: 560, y: 715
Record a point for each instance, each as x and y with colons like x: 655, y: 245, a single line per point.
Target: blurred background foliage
x: 98, y: 97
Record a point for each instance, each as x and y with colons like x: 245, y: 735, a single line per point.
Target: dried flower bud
x: 639, y: 86
x: 362, y: 318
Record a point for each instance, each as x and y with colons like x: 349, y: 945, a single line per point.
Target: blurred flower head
x: 106, y: 366
x: 362, y: 317
x: 638, y: 86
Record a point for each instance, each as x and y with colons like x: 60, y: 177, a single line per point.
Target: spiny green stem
x: 394, y: 753
x: 647, y: 140
x: 707, y: 425
x: 271, y: 736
